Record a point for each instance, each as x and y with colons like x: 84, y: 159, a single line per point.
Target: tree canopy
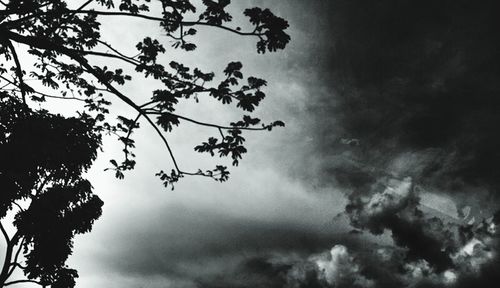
x: 44, y: 155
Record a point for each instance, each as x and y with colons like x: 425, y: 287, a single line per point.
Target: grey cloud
x: 207, y: 235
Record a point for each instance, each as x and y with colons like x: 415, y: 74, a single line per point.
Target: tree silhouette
x: 44, y: 155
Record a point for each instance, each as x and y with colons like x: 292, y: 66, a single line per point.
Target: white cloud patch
x: 392, y: 198
x: 338, y: 267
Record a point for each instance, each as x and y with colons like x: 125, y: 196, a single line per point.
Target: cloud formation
x: 412, y: 112
x: 398, y: 108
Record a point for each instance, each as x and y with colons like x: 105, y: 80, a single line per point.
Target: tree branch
x: 194, y: 23
x: 22, y: 281
x: 134, y: 62
x: 76, y: 56
x: 103, y: 54
x: 18, y: 206
x: 19, y: 71
x: 113, y: 13
x: 207, y: 124
x: 130, y: 129
x: 8, y: 81
x: 137, y: 15
x: 5, y: 235
x: 50, y: 31
x: 50, y: 96
x: 15, y: 264
x: 4, y: 275
x: 128, y: 101
x: 84, y: 5
x: 114, y: 50
x: 1, y: 88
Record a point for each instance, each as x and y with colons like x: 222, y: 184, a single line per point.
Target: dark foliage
x: 44, y: 155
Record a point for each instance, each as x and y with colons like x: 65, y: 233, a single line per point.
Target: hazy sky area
x: 202, y: 232
x: 385, y: 175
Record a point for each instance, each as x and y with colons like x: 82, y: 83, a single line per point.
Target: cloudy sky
x: 385, y: 175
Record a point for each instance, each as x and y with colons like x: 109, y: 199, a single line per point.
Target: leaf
x: 272, y: 27
x: 167, y: 121
x: 232, y: 67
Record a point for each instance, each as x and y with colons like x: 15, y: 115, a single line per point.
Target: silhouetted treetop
x: 49, y: 50
x: 61, y: 38
x: 43, y: 158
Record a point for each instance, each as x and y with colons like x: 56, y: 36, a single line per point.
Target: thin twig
x: 208, y: 124
x: 18, y: 206
x: 130, y: 129
x: 49, y: 96
x: 116, y: 51
x: 22, y: 281
x: 103, y: 54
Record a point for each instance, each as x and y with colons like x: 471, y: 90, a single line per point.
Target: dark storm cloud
x: 335, y: 267
x: 414, y: 92
x: 210, y: 249
x: 396, y: 209
x: 413, y: 76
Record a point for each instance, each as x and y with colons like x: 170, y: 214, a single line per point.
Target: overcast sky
x: 150, y: 236
x: 389, y: 109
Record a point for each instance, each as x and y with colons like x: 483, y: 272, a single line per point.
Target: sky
x: 384, y: 176
x: 203, y: 231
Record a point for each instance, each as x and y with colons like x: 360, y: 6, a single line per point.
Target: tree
x: 44, y: 155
